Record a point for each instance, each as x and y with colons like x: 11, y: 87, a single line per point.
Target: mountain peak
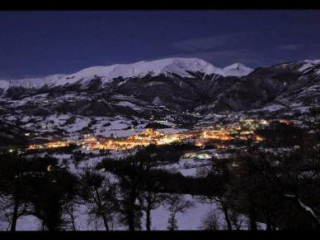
x: 236, y: 69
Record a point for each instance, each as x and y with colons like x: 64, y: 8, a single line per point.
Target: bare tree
x: 14, y: 189
x: 12, y: 210
x: 236, y: 220
x: 149, y: 201
x: 210, y: 222
x: 176, y: 204
x: 150, y: 198
x: 69, y: 209
x: 130, y: 208
x: 100, y: 193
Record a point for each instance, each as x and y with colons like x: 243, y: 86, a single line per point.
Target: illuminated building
x: 150, y: 136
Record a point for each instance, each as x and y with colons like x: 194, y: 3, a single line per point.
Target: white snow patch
x: 236, y: 69
x: 4, y: 84
x: 129, y: 105
x: 273, y: 108
x: 29, y: 223
x: 308, y: 64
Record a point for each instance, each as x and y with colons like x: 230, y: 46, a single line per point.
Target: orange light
x: 258, y: 138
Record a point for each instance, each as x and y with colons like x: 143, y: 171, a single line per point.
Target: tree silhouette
x: 176, y: 204
x: 100, y: 194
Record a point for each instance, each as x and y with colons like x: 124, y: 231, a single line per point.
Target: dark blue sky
x: 48, y: 42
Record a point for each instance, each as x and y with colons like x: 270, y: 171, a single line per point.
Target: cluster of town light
x: 49, y: 145
x: 145, y: 138
x: 244, y: 130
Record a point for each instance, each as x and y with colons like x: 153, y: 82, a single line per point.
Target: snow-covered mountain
x: 308, y: 64
x: 4, y: 84
x: 164, y: 89
x: 236, y: 69
x: 179, y: 66
x: 32, y: 82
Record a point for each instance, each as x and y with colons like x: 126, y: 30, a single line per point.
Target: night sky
x: 47, y: 42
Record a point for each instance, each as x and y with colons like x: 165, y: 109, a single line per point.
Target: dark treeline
x: 28, y: 187
x: 275, y: 182
x: 39, y: 187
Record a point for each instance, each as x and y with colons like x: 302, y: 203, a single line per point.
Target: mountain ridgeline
x: 169, y: 85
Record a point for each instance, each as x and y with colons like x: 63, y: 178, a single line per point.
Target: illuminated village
x: 244, y: 131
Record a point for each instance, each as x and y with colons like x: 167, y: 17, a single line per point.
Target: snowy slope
x: 178, y: 66
x: 308, y: 64
x: 36, y: 82
x: 31, y: 82
x: 4, y: 84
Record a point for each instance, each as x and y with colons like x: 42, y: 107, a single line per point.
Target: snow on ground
x: 171, y: 130
x: 38, y: 99
x: 189, y: 172
x: 186, y: 166
x: 189, y: 220
x: 128, y: 104
x: 117, y: 126
x: 24, y: 223
x: 25, y: 119
x: 79, y: 124
x: 10, y: 118
x: 192, y: 218
x: 116, y: 133
x: 296, y: 104
x: 62, y: 156
x: 58, y: 120
x: 71, y: 97
x: 91, y: 163
x: 151, y: 84
x: 303, y: 109
x: 29, y: 223
x: 273, y: 107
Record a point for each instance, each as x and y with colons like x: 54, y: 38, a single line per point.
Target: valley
x: 149, y: 136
